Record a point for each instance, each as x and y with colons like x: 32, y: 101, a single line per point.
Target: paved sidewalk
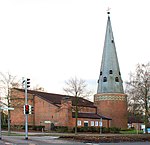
x: 70, y: 134
x: 81, y: 138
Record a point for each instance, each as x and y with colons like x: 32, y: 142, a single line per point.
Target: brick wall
x: 113, y: 106
x: 45, y: 112
x: 88, y: 109
x: 17, y: 101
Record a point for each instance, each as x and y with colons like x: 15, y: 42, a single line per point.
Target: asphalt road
x: 123, y: 143
x: 35, y: 140
x: 46, y: 140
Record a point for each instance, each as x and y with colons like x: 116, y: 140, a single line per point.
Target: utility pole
x: 26, y: 83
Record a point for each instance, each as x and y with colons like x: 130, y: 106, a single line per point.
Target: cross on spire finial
x: 108, y: 10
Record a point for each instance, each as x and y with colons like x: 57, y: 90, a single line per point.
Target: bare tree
x: 77, y: 88
x: 7, y: 82
x: 135, y: 104
x: 38, y: 88
x: 138, y: 89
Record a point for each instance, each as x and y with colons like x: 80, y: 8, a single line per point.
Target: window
x: 110, y: 71
x: 79, y: 122
x: 98, y: 81
x: 96, y: 123
x: 117, y: 79
x: 101, y: 73
x: 85, y: 123
x: 112, y: 41
x: 92, y: 123
x: 119, y: 73
x: 105, y: 79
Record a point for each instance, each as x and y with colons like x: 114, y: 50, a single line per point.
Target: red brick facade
x: 46, y: 112
x: 113, y: 105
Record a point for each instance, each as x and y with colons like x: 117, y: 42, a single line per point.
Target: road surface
x: 46, y: 140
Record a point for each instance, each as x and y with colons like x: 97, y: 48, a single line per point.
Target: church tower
x: 110, y: 98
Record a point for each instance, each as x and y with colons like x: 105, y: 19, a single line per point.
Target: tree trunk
x: 146, y: 112
x: 76, y: 115
x: 8, y: 122
x: 76, y: 122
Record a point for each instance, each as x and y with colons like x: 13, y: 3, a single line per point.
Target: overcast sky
x: 51, y: 41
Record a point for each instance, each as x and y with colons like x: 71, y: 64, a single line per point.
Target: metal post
x: 26, y: 115
x: 101, y: 124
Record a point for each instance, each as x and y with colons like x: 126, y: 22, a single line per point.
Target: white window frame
x: 96, y: 123
x: 79, y: 122
x: 92, y: 123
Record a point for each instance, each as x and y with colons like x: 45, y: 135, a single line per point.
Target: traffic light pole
x: 26, y: 115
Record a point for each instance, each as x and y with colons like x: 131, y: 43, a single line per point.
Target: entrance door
x: 85, y: 123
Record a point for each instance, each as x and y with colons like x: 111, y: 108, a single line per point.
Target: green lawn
x: 132, y: 132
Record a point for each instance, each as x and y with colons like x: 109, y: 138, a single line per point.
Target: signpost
x: 101, y: 125
x: 6, y: 108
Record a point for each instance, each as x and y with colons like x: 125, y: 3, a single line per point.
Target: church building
x: 55, y: 109
x: 109, y: 107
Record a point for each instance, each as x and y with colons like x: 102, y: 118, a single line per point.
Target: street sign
x: 6, y: 108
x: 47, y: 122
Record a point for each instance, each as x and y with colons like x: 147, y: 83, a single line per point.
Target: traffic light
x: 28, y: 83
x: 31, y: 109
x: 26, y: 109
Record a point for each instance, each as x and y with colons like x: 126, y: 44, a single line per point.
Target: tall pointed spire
x: 110, y: 77
x: 110, y: 98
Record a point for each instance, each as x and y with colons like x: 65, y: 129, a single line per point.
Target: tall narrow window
x: 110, y: 71
x: 79, y: 122
x: 101, y: 73
x: 119, y: 73
x: 96, y: 123
x: 117, y: 79
x: 105, y: 79
x: 92, y: 123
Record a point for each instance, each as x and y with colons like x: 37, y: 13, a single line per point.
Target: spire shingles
x: 110, y: 78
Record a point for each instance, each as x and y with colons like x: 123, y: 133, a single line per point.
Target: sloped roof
x: 134, y: 119
x: 90, y: 115
x: 56, y: 98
